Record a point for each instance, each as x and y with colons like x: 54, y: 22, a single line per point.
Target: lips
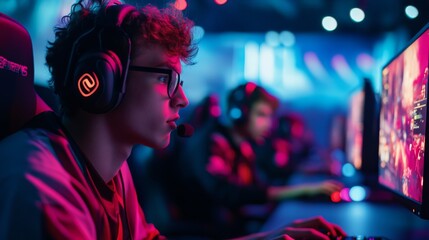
x: 172, y: 125
x: 172, y: 122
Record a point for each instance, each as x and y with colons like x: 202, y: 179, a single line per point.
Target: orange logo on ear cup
x: 87, y: 84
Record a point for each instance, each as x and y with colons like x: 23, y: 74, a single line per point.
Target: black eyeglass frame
x: 167, y: 71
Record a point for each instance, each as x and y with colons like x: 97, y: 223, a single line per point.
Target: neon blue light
x: 357, y: 193
x: 348, y: 170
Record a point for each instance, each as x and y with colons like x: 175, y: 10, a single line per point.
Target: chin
x: 259, y: 139
x: 161, y: 143
x: 164, y: 145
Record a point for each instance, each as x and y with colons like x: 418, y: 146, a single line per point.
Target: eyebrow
x: 166, y: 64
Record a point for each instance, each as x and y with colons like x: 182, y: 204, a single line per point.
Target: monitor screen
x: 402, y: 143
x: 362, y: 130
x: 354, y: 132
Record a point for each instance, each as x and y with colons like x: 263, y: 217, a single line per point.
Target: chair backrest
x: 18, y: 100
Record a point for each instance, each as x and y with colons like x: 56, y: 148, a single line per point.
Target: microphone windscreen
x: 185, y: 130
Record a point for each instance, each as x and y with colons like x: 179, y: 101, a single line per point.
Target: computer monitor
x: 362, y: 131
x: 403, y: 149
x: 354, y: 128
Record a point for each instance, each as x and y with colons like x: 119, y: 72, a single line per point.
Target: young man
x: 222, y: 175
x: 116, y: 69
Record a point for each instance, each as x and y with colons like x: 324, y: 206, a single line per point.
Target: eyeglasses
x: 173, y: 77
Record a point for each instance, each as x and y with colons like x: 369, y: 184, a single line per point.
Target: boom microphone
x: 185, y: 130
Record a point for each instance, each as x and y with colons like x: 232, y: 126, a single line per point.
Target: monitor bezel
x: 419, y: 209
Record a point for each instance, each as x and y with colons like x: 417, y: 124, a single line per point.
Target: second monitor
x: 403, y: 149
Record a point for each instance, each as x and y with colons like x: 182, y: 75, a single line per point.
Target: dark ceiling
x: 292, y: 15
x: 301, y: 15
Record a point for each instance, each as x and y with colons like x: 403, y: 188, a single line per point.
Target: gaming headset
x: 96, y: 78
x: 240, y: 100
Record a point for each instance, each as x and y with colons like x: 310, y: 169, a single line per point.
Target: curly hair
x: 148, y: 25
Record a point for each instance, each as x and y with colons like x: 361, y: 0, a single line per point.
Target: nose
x: 179, y: 99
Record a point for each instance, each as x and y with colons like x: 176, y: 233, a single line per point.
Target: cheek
x: 143, y: 110
x: 261, y: 124
x: 150, y: 109
x: 253, y: 127
x: 258, y: 123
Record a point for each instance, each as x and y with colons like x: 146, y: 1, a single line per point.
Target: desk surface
x: 356, y: 218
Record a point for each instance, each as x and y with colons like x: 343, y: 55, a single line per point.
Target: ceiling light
x: 357, y: 15
x: 329, y: 23
x: 411, y: 11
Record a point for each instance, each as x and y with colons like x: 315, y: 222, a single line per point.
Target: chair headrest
x: 18, y: 99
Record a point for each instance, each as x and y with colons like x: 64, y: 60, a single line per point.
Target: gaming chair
x: 18, y: 100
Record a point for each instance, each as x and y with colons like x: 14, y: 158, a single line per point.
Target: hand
x: 313, y: 228
x: 317, y: 226
x: 285, y: 192
x: 301, y: 233
x: 326, y: 187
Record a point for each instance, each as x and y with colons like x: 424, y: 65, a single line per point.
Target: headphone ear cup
x: 95, y: 82
x: 238, y: 106
x: 243, y: 115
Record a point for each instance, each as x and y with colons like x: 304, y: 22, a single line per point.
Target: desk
x: 356, y: 218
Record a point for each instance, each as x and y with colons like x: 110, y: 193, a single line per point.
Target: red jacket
x: 50, y: 192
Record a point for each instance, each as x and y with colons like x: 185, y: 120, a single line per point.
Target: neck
x: 238, y: 135
x: 95, y: 140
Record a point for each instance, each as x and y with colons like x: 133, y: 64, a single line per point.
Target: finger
x: 282, y: 237
x: 330, y: 188
x: 318, y: 223
x: 340, y: 232
x: 306, y: 233
x: 328, y: 226
x: 334, y: 188
x: 332, y: 230
x: 336, y: 184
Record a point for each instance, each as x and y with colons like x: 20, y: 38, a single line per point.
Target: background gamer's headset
x: 96, y: 78
x: 240, y: 101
